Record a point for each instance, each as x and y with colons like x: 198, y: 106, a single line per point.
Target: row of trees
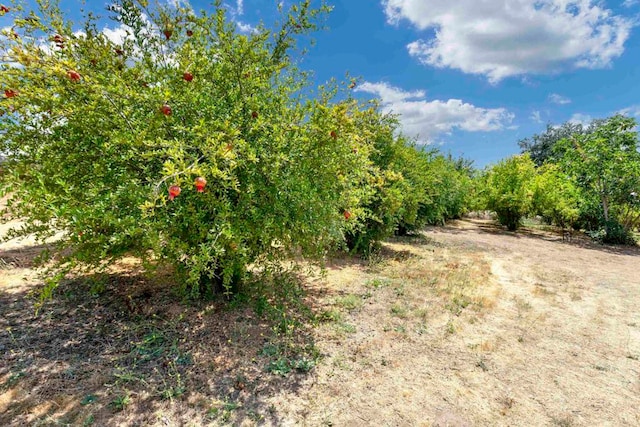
x: 573, y: 176
x: 189, y: 144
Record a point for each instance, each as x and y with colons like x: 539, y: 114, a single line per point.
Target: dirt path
x: 466, y: 325
x: 560, y: 345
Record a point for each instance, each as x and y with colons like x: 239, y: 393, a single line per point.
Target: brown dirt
x: 463, y: 325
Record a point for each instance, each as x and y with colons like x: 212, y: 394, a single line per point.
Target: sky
x: 471, y: 77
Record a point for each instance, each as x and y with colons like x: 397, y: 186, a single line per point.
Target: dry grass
x: 463, y: 325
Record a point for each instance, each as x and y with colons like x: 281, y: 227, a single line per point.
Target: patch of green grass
x: 350, y: 302
x: 399, y: 310
x: 127, y: 376
x: 378, y: 283
x: 223, y: 412
x: 151, y: 346
x: 346, y: 327
x: 170, y: 392
x: 121, y: 402
x: 281, y: 367
x: 450, y: 328
x: 13, y: 379
x: 89, y: 421
x: 330, y: 315
x: 400, y: 329
x: 254, y: 416
x: 458, y: 304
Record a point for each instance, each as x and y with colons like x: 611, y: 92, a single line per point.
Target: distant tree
x: 508, y: 189
x: 555, y: 196
x: 462, y: 165
x: 543, y: 147
x: 605, y: 162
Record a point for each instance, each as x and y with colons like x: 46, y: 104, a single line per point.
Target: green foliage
x: 108, y: 146
x: 380, y: 189
x: 605, y: 165
x: 433, y: 188
x: 121, y: 401
x: 612, y: 232
x: 90, y: 158
x: 542, y: 147
x: 507, y: 189
x: 590, y: 178
x: 555, y: 197
x: 449, y: 191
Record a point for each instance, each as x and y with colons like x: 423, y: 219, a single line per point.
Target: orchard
x: 188, y: 144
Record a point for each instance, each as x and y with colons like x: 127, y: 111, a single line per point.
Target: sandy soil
x: 465, y: 325
x: 560, y: 346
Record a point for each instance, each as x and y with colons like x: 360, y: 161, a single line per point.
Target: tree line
x: 573, y: 176
x: 190, y: 145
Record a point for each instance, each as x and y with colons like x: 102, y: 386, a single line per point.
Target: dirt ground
x: 463, y: 325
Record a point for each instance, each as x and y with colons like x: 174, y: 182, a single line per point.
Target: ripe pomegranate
x: 174, y: 191
x: 73, y: 75
x: 200, y: 183
x: 166, y: 109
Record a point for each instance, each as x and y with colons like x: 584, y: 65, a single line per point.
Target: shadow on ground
x: 577, y: 239
x: 125, y: 351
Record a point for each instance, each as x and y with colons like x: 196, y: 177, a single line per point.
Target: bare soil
x: 462, y: 325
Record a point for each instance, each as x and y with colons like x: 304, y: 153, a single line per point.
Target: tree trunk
x: 605, y: 208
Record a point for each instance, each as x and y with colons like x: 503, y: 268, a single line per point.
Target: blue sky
x: 471, y: 76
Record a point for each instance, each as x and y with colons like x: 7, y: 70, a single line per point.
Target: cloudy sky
x: 473, y: 76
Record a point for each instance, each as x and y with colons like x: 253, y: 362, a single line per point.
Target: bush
x: 110, y: 142
x: 555, y: 197
x: 616, y: 234
x: 508, y: 189
x: 381, y: 189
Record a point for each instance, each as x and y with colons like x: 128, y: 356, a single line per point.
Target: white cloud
x: 240, y: 7
x: 633, y: 111
x: 117, y: 35
x: 245, y: 28
x: 559, y: 99
x: 536, y: 117
x: 428, y: 119
x: 178, y: 3
x: 580, y: 119
x: 499, y: 38
x: 388, y: 93
x: 630, y: 3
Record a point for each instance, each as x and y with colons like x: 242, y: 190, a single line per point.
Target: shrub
x: 104, y: 135
x: 615, y: 233
x: 555, y: 197
x: 381, y: 190
x: 508, y: 189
